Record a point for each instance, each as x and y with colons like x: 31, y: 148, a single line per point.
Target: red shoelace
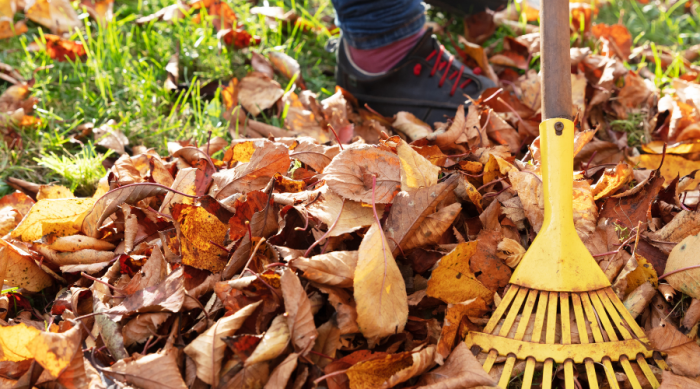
x: 440, y: 65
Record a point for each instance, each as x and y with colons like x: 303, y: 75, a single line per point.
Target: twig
x: 342, y: 205
x: 329, y: 375
x: 490, y: 183
x: 336, y: 137
x: 255, y: 250
x: 678, y: 271
x: 105, y: 283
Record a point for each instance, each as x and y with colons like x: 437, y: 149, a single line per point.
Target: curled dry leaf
x: 14, y: 341
x: 273, y: 343
x: 110, y: 202
x: 354, y: 215
x: 269, y: 158
x: 315, y: 155
x: 258, y: 92
x: 298, y: 307
x: 207, y: 350
x: 510, y: 251
x: 166, y: 296
x: 410, y: 125
x: 54, y: 352
x: 336, y: 268
x: 453, y: 281
x: 612, y: 180
x: 390, y: 370
x: 74, y: 243
x: 287, y: 66
x: 350, y: 175
x: 58, y: 15
x: 410, y: 209
x: 379, y: 289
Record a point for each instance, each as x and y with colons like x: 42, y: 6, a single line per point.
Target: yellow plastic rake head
x: 578, y: 319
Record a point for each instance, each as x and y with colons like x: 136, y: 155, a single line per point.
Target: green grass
x: 123, y: 74
x: 122, y: 78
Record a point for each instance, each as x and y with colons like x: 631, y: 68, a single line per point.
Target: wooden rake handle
x: 555, y: 59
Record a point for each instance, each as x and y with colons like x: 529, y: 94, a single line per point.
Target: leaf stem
x: 342, y: 205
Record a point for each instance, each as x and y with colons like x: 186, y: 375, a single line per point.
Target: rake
x: 558, y: 275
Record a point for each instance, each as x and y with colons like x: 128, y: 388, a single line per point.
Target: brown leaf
x: 269, y: 158
x: 672, y: 381
x: 494, y: 272
x: 681, y: 352
x: 379, y: 289
x: 76, y: 243
x: 166, y: 296
x: 391, y: 370
x: 345, y: 309
x: 152, y: 273
x: 315, y: 155
x: 141, y: 327
x: 409, y: 211
x: 153, y: 371
x: 298, y: 309
x: 350, y: 174
x: 251, y: 377
x: 326, y: 208
x: 280, y: 375
x: 273, y: 343
x: 260, y: 64
x: 106, y: 135
x: 207, y: 350
x: 453, y: 281
x: 17, y: 200
x: 110, y: 202
x: 59, y: 16
x: 327, y: 343
x: 453, y: 316
x: 258, y: 92
x: 461, y: 371
x: 336, y: 268
x: 632, y: 209
x: 287, y: 66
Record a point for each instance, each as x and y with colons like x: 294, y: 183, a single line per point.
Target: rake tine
x: 631, y: 376
x: 583, y: 336
x: 609, y: 329
x: 647, y: 371
x: 507, y: 370
x: 566, y: 339
x: 638, y: 331
x: 614, y: 315
x: 598, y: 336
x: 536, y: 336
x: 660, y: 361
x: 549, y: 339
x: 493, y: 322
x: 498, y: 313
x: 513, y: 312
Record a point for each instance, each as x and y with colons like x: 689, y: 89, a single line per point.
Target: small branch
x: 342, y: 205
x: 335, y: 373
x: 104, y: 283
x: 490, y: 183
x: 678, y: 271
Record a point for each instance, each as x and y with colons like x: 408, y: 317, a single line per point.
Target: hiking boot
x: 428, y: 82
x: 462, y: 8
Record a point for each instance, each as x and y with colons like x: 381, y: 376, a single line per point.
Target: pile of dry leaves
x: 349, y: 250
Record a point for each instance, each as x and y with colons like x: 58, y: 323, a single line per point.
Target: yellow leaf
x: 685, y: 147
x: 380, y: 291
x: 612, y: 180
x: 643, y: 273
x: 198, y: 229
x: 416, y: 170
x: 674, y: 166
x: 453, y: 280
x: 495, y: 168
x: 61, y: 216
x: 14, y: 341
x: 684, y: 255
x: 242, y: 152
x: 23, y: 272
x: 54, y: 192
x: 54, y: 352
